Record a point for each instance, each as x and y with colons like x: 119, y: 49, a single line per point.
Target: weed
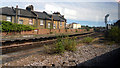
x: 51, y: 32
x: 76, y: 30
x: 87, y: 40
x: 59, y: 48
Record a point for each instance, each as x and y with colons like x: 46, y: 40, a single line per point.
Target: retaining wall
x: 44, y: 31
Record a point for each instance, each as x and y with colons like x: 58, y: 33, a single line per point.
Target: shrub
x: 51, y: 32
x: 14, y: 27
x: 63, y: 44
x: 87, y: 28
x: 59, y: 48
x: 76, y: 30
x: 87, y: 40
x: 113, y: 34
x: 69, y: 44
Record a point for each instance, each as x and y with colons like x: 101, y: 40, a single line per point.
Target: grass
x: 87, y: 40
x: 109, y: 42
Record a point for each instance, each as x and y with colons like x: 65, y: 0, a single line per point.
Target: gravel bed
x: 82, y: 54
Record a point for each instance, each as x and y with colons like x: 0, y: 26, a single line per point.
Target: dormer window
x: 18, y: 12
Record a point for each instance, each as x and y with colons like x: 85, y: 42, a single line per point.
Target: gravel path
x: 82, y: 54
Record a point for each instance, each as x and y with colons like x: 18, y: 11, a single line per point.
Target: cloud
x: 58, y: 1
x: 87, y: 11
x: 80, y: 11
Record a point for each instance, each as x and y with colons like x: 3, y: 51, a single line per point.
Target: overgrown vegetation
x: 86, y: 27
x: 87, y: 40
x: 113, y: 34
x: 62, y: 44
x: 76, y: 30
x: 14, y: 27
x: 51, y: 32
x: 66, y: 43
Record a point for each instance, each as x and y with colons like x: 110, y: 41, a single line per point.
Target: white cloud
x: 79, y: 11
x: 58, y: 1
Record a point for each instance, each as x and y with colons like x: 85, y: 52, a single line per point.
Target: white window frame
x: 41, y: 22
x: 20, y: 21
x: 9, y: 18
x: 30, y: 21
x: 48, y: 24
x: 18, y: 12
x: 54, y: 26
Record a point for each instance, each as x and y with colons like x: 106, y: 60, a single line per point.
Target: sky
x: 85, y: 12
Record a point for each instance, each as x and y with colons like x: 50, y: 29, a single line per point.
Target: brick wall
x: 44, y: 31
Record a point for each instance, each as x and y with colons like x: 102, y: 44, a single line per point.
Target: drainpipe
x: 16, y: 17
x: 37, y: 21
x: 52, y: 22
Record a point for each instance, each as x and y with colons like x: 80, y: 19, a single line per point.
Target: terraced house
x: 28, y: 16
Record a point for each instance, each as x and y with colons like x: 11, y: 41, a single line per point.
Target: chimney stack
x: 57, y: 13
x: 16, y: 6
x: 16, y: 16
x: 30, y: 8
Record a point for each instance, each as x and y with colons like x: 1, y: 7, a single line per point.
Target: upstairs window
x: 41, y: 22
x: 31, y: 22
x: 9, y: 19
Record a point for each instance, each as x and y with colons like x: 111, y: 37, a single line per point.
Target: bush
x: 69, y: 44
x: 14, y: 27
x: 59, y: 48
x: 76, y: 30
x: 51, y: 32
x: 87, y: 40
x: 87, y: 28
x: 113, y: 34
x: 63, y: 44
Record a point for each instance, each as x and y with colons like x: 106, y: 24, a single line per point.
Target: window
x: 20, y: 21
x: 9, y: 19
x: 54, y: 26
x: 60, y: 23
x: 41, y: 22
x: 18, y: 12
x: 48, y: 24
x: 31, y: 22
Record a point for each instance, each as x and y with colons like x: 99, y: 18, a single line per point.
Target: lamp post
x: 106, y: 20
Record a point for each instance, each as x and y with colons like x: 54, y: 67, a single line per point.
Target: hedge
x: 114, y: 34
x: 6, y: 26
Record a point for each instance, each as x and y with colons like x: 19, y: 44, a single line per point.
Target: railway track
x: 19, y: 53
x: 19, y: 45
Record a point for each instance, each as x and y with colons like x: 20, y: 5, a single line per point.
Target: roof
x: 58, y: 18
x: 42, y: 15
x: 7, y: 11
x: 21, y: 12
x: 27, y: 13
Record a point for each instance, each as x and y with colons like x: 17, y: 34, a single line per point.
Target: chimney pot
x: 16, y: 6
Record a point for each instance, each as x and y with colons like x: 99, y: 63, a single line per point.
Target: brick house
x: 28, y: 16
